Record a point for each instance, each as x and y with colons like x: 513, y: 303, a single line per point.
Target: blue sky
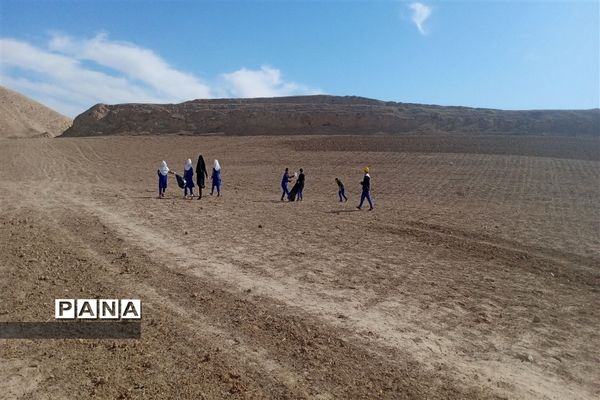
x: 506, y: 54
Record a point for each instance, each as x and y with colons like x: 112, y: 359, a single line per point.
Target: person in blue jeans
x: 366, y: 187
x: 284, y: 182
x: 341, y: 191
x: 188, y: 175
x: 300, y: 181
x: 216, y: 178
x: 162, y: 172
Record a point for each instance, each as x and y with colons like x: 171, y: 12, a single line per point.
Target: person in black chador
x: 300, y: 182
x: 201, y: 174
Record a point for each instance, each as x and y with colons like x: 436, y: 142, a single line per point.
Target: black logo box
x: 71, y: 330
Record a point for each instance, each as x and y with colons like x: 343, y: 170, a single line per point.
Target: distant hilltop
x: 326, y: 115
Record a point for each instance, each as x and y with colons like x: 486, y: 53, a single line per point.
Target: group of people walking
x: 298, y: 188
x: 366, y: 190
x: 186, y: 182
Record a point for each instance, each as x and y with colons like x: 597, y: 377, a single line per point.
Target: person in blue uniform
x: 284, y: 182
x: 216, y: 178
x: 366, y: 188
x: 201, y: 173
x: 341, y: 191
x: 188, y: 175
x: 162, y: 172
x: 300, y: 181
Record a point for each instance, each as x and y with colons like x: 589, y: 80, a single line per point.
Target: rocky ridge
x: 325, y: 115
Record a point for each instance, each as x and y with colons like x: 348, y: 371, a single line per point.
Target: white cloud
x: 265, y: 82
x: 136, y: 63
x: 72, y: 74
x: 420, y: 14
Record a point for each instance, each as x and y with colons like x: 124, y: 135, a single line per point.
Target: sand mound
x: 21, y: 116
x: 324, y: 115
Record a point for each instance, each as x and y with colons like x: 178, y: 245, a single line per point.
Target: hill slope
x: 324, y: 115
x: 21, y: 116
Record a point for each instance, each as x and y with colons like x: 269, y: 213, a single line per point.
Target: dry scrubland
x: 475, y: 277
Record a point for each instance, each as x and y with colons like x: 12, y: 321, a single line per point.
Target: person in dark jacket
x: 216, y: 178
x: 366, y: 187
x: 188, y: 176
x: 201, y: 173
x: 300, y: 181
x: 341, y: 191
x: 284, y: 182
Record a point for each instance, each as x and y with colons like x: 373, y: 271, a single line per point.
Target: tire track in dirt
x: 559, y: 264
x: 196, y: 324
x: 296, y: 339
x: 544, y: 276
x: 326, y: 362
x: 327, y: 310
x: 120, y: 368
x: 289, y: 290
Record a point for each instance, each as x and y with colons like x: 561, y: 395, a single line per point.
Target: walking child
x: 216, y: 178
x: 162, y: 172
x: 341, y: 191
x: 188, y: 176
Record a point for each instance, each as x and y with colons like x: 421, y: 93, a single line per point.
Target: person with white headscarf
x: 188, y: 176
x: 216, y: 178
x: 162, y: 172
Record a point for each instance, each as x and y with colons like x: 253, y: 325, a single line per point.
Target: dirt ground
x: 477, y: 276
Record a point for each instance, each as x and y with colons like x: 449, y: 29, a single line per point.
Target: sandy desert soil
x: 476, y: 277
x: 21, y: 116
